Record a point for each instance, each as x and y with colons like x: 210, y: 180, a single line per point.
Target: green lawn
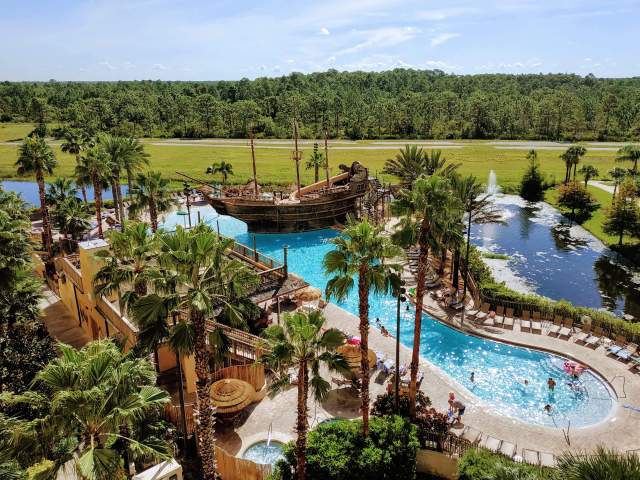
x: 594, y: 224
x: 14, y: 131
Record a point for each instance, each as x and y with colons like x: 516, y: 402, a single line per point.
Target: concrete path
x: 59, y: 322
x: 602, y: 186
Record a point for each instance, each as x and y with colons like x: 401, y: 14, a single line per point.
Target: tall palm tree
x: 128, y: 265
x: 95, y: 400
x: 35, y: 156
x: 301, y: 343
x: 617, y: 175
x: 74, y: 142
x: 95, y: 167
x: 206, y: 280
x: 572, y: 157
x: 315, y: 161
x: 420, y: 210
x: 117, y: 150
x: 588, y: 172
x: 361, y: 250
x: 603, y: 463
x: 135, y: 159
x: 151, y: 191
x: 412, y: 162
x: 478, y: 207
x: 630, y: 153
x: 223, y: 168
x: 71, y: 218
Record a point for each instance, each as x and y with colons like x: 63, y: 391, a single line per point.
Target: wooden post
x: 286, y: 269
x: 199, y: 219
x: 253, y: 160
x: 296, y: 156
x: 326, y: 157
x: 255, y: 250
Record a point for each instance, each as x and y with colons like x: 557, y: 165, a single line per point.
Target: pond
x: 29, y: 191
x: 552, y: 257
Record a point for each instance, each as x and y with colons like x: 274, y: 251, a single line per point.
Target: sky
x: 233, y: 39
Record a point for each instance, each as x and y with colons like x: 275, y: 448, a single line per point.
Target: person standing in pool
x: 551, y: 383
x: 473, y: 377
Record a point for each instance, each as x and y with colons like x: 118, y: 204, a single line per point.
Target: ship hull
x: 268, y: 217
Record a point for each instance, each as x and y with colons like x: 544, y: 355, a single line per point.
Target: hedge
x: 481, y: 464
x: 496, y: 293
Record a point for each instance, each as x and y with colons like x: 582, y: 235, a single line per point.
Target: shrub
x: 533, y: 184
x: 385, y: 404
x: 338, y: 451
x: 480, y: 464
x: 578, y: 200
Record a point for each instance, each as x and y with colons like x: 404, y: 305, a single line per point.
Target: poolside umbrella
x: 231, y: 395
x: 309, y: 294
x: 183, y: 214
x: 351, y: 353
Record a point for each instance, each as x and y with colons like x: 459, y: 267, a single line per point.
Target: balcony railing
x: 66, y: 266
x: 113, y: 315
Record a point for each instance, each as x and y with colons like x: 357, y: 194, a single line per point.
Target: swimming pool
x: 500, y: 369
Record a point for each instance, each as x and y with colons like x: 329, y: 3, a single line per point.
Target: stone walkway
x: 59, y: 322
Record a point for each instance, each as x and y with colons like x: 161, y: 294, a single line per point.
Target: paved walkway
x: 602, y: 186
x: 59, y: 322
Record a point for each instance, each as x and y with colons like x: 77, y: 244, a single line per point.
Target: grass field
x: 14, y: 131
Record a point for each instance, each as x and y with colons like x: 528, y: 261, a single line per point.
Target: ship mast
x: 296, y: 155
x: 253, y: 159
x: 326, y: 157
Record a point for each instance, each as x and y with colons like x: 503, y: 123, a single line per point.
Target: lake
x: 552, y: 257
x: 29, y: 191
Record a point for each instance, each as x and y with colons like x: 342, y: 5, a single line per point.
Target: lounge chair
x: 507, y: 449
x: 531, y: 456
x: 508, y: 320
x: 557, y: 325
x: 471, y: 434
x: 491, y: 443
x: 498, y: 320
x: 484, y: 312
x: 584, y: 333
x: 547, y: 459
x: 536, y: 324
x: 595, y: 338
x: 567, y: 328
x: 525, y: 323
x: 618, y: 345
x: 626, y: 353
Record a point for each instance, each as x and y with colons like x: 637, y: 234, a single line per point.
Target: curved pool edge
x: 251, y: 440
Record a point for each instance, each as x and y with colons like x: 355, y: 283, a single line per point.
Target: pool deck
x: 619, y: 431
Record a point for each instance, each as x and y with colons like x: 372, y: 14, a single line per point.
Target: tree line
x: 400, y: 103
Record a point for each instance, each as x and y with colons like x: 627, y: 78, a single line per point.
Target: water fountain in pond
x: 492, y: 185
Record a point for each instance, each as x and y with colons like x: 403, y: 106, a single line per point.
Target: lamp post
x: 401, y: 298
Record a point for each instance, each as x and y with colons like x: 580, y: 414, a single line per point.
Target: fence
x: 446, y: 443
x: 234, y: 468
x: 252, y: 374
x: 173, y: 414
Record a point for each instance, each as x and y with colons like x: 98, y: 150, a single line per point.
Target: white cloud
x: 444, y: 13
x: 159, y: 66
x: 443, y: 38
x: 381, y: 37
x: 441, y: 65
x: 325, y: 31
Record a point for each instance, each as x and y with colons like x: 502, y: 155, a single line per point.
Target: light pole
x: 401, y: 298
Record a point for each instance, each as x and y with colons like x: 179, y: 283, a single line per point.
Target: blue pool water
x: 499, y: 368
x: 260, y: 452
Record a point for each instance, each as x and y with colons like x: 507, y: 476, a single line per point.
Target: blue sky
x: 225, y: 39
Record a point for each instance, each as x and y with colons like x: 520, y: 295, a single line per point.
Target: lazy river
x: 500, y: 369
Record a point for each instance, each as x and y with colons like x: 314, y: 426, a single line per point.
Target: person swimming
x: 548, y: 408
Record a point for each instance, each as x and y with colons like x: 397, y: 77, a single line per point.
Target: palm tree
x: 223, y: 168
x: 571, y: 158
x: 479, y: 209
x: 630, y: 153
x: 315, y: 161
x: 603, y: 463
x: 96, y: 398
x: 35, y: 156
x: 408, y: 164
x: 361, y: 250
x: 206, y: 279
x: 116, y: 148
x: 617, y: 175
x: 71, y: 218
x: 302, y: 344
x: 128, y: 265
x: 421, y: 209
x: 74, y: 142
x: 436, y: 163
x: 95, y: 167
x: 588, y: 172
x: 134, y: 159
x: 60, y: 190
x: 151, y: 191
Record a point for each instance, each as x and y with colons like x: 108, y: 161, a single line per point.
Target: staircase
x: 372, y: 198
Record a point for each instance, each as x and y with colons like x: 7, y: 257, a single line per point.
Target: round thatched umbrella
x: 231, y: 395
x: 351, y: 353
x: 309, y: 294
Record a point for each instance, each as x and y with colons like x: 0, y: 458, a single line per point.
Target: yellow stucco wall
x: 435, y: 463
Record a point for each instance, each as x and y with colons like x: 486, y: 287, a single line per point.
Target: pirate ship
x: 319, y: 205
